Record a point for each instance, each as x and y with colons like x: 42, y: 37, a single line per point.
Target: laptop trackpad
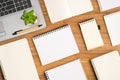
x: 2, y: 31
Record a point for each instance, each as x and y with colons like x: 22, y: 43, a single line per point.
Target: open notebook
x: 91, y: 34
x: 108, y: 4
x: 107, y: 66
x: 16, y: 61
x: 55, y: 44
x: 112, y: 22
x: 62, y: 9
x: 70, y: 71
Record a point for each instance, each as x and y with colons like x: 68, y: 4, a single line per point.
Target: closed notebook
x: 69, y: 71
x: 62, y: 9
x: 112, y: 22
x: 91, y: 34
x: 107, y: 66
x: 108, y: 4
x: 16, y: 61
x: 55, y: 45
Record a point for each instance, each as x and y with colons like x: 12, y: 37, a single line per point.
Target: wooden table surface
x: 84, y: 55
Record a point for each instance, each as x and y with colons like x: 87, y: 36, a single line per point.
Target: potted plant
x: 29, y: 17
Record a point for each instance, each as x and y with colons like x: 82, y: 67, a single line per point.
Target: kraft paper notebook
x: 107, y: 66
x: 108, y: 4
x: 16, y: 61
x: 62, y: 9
x: 112, y: 22
x: 91, y: 34
x: 55, y: 45
x: 69, y: 71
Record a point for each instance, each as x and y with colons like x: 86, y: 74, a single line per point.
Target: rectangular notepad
x: 17, y: 62
x: 70, y: 71
x: 107, y: 66
x: 108, y: 4
x: 112, y: 22
x: 91, y: 34
x: 55, y: 45
x: 62, y: 9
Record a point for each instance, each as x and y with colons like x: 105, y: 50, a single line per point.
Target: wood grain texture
x: 84, y: 55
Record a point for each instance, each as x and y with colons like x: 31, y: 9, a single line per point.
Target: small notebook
x: 55, y: 45
x: 108, y: 4
x: 113, y: 26
x: 16, y: 61
x: 62, y: 9
x: 91, y: 34
x: 107, y: 66
x: 70, y: 71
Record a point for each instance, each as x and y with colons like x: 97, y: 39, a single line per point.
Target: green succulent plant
x: 29, y: 17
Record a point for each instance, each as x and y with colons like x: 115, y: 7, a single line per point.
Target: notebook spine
x: 88, y: 21
x: 50, y: 32
x: 47, y: 76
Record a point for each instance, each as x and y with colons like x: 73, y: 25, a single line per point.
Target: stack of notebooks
x: 107, y: 66
x: 62, y: 9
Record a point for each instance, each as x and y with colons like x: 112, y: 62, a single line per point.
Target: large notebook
x: 55, y: 45
x: 62, y: 9
x: 108, y: 4
x: 70, y: 71
x: 16, y: 61
x: 107, y: 66
x: 91, y: 34
x: 113, y: 26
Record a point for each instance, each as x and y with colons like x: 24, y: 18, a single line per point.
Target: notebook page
x: 17, y: 61
x: 91, y: 34
x: 80, y: 6
x: 107, y: 66
x: 55, y: 45
x: 57, y: 10
x: 108, y: 4
x: 70, y: 71
x: 112, y: 22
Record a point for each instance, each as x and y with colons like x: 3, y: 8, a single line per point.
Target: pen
x: 25, y: 30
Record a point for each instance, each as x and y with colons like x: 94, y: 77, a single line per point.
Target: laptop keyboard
x: 11, y: 6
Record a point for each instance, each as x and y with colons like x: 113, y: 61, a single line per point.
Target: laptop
x: 10, y: 17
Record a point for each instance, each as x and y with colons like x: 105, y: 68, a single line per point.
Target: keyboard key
x: 10, y: 2
x: 6, y: 12
x: 2, y: 14
x: 10, y: 7
x: 20, y: 8
x: 1, y: 1
x: 14, y: 10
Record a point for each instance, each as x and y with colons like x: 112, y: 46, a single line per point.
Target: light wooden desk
x: 84, y: 55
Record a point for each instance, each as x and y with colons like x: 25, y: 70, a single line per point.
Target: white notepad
x: 70, y: 71
x: 17, y: 62
x: 107, y: 66
x: 62, y: 9
x: 91, y: 34
x: 108, y: 4
x: 55, y: 45
x: 113, y: 26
